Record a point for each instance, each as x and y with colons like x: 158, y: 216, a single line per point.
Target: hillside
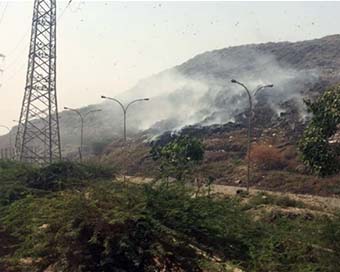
x: 199, y: 91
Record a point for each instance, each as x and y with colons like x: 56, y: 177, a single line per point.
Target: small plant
x: 179, y: 156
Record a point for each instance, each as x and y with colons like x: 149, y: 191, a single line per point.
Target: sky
x: 106, y: 47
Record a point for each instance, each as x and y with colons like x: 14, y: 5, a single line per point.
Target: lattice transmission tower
x: 38, y: 136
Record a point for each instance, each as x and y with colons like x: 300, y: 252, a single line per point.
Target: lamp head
x: 103, y: 96
x: 233, y: 81
x: 146, y: 99
x: 66, y: 108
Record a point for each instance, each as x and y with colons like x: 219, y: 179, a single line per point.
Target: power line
x: 63, y: 12
x: 18, y: 45
x: 3, y: 13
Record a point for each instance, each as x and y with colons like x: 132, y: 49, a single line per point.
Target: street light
x: 82, y: 119
x: 250, y: 115
x: 125, y: 108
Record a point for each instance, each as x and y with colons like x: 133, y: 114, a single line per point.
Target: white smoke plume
x: 197, y: 92
x: 200, y: 91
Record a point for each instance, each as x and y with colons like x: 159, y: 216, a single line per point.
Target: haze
x: 107, y: 47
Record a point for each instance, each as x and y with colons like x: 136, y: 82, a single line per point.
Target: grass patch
x: 268, y: 199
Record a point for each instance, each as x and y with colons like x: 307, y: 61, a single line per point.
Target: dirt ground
x: 320, y: 203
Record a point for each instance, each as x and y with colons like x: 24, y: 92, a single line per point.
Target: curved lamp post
x: 125, y: 108
x: 250, y: 115
x: 82, y: 120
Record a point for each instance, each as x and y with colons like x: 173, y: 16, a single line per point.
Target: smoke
x: 200, y: 91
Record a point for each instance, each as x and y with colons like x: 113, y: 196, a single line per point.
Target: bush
x: 267, y: 157
x: 317, y: 152
x: 214, y: 225
x: 267, y: 199
x: 110, y: 227
x: 179, y: 156
x: 331, y: 238
x: 12, y: 170
x: 58, y: 175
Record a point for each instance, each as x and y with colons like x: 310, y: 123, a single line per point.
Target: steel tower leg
x: 38, y: 135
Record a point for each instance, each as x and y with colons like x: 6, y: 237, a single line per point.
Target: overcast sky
x: 106, y: 47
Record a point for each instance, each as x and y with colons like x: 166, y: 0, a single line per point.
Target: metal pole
x: 124, y: 108
x: 81, y: 138
x: 82, y: 120
x: 125, y: 125
x: 250, y: 115
x: 249, y: 139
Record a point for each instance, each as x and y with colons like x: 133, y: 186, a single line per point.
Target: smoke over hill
x: 199, y: 91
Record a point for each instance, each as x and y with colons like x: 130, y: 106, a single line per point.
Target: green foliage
x: 179, y: 156
x: 316, y: 150
x: 58, y: 175
x: 109, y: 226
x: 331, y: 242
x: 12, y: 170
x: 12, y: 187
x: 213, y: 225
x: 289, y: 245
x: 266, y: 199
x: 19, y: 180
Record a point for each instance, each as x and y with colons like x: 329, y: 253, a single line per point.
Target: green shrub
x: 216, y: 225
x: 60, y: 175
x: 282, y: 201
x: 12, y: 170
x: 331, y: 242
x: 162, y: 227
x: 179, y: 156
x: 316, y: 150
x: 95, y: 231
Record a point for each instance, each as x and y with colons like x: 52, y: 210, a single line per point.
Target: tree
x: 179, y: 156
x: 317, y: 152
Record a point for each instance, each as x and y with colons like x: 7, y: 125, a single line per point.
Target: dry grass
x: 267, y: 157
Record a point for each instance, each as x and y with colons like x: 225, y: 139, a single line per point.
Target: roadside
x: 318, y: 202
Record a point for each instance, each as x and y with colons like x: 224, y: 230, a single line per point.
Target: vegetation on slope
x: 99, y: 225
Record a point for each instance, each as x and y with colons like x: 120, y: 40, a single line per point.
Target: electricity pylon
x: 38, y: 135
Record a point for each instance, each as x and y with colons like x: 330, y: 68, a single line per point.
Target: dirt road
x: 324, y: 203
